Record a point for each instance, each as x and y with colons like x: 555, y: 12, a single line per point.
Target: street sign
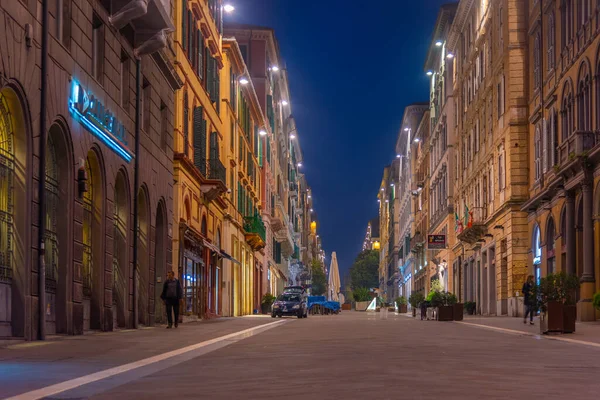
x: 436, y: 242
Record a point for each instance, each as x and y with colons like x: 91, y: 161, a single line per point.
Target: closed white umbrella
x: 334, y: 279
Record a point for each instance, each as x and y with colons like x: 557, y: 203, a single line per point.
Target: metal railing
x: 255, y: 225
x: 215, y: 170
x: 577, y: 145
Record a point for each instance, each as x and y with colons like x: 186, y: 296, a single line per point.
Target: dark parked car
x: 294, y: 289
x: 290, y: 304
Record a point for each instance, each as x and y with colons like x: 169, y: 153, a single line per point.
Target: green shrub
x: 268, y: 299
x: 470, y: 306
x: 449, y: 299
x: 560, y: 287
x: 596, y: 301
x: 400, y: 301
x: 362, y: 294
x: 415, y: 299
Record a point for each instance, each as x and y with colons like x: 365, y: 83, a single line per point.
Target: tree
x: 365, y: 270
x: 319, y: 280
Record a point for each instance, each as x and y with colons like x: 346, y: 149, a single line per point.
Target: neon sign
x: 99, y: 120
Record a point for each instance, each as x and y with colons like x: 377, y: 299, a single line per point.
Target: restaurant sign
x: 436, y: 242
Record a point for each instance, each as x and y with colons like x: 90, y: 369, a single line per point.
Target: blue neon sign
x: 99, y: 120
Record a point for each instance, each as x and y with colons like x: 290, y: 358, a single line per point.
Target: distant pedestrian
x: 424, y: 306
x: 529, y: 300
x: 171, y: 294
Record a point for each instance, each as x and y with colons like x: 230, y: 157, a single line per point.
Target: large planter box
x: 403, y: 308
x: 569, y: 318
x: 555, y: 317
x: 265, y: 308
x: 362, y: 305
x: 346, y: 307
x: 457, y: 311
x: 445, y: 313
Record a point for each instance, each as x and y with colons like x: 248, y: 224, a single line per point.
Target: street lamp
x: 299, y: 164
x: 292, y: 136
x: 262, y: 132
x: 429, y: 73
x: 439, y: 43
x: 274, y: 68
x: 449, y: 55
x: 284, y: 102
x: 244, y: 81
x: 228, y: 8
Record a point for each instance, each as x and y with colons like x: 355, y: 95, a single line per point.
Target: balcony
x: 215, y: 175
x: 418, y: 181
x: 277, y: 216
x: 579, y: 145
x: 471, y: 229
x: 417, y: 242
x: 255, y: 232
x: 215, y: 170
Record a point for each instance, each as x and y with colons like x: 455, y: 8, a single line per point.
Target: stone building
x: 439, y: 66
x: 564, y: 93
x: 489, y: 42
x: 87, y: 153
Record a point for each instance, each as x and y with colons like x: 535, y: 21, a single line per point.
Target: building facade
x: 489, y: 42
x: 564, y: 94
x: 104, y: 146
x: 439, y: 66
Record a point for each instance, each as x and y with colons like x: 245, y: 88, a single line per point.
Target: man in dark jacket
x: 528, y: 300
x: 171, y: 294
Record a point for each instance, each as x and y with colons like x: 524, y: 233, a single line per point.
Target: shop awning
x: 228, y: 257
x: 211, y: 246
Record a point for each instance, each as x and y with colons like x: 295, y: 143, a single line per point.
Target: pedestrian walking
x: 529, y: 300
x: 423, y: 310
x: 171, y: 294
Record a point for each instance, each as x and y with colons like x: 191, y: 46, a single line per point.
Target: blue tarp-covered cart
x: 320, y: 305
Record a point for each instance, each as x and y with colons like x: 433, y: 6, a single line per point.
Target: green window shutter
x: 268, y: 150
x: 239, y: 206
x: 260, y: 152
x: 199, y: 140
x: 214, y: 146
x: 200, y: 56
x: 186, y: 115
x: 256, y: 139
x: 184, y: 24
x: 217, y: 86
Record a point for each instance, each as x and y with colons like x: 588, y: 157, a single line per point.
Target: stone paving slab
x: 360, y: 355
x: 32, y: 365
x: 584, y: 331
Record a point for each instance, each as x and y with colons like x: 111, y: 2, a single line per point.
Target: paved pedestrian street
x: 348, y: 356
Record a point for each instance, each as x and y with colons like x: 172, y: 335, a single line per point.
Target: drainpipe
x: 42, y: 179
x: 136, y: 184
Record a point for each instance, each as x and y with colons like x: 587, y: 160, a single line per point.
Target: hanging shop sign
x: 99, y: 120
x: 436, y: 242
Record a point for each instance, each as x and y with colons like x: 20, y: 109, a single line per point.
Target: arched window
x: 551, y: 40
x: 567, y: 21
x: 6, y: 191
x: 88, y: 225
x: 538, y: 154
x: 567, y: 112
x: 584, y: 99
x: 536, y: 61
x: 52, y: 198
x: 552, y: 140
x: 550, y: 251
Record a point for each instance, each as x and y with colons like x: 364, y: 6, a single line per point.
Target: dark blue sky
x: 353, y: 66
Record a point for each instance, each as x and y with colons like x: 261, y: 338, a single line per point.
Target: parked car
x: 290, y: 304
x: 294, y: 289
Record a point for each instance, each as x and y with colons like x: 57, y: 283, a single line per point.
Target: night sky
x: 353, y: 66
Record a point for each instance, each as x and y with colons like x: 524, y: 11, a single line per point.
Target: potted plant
x: 596, y: 301
x: 555, y: 296
x: 470, y: 306
x: 402, y: 304
x: 457, y: 308
x: 441, y: 303
x: 415, y: 300
x: 362, y: 297
x: 267, y: 301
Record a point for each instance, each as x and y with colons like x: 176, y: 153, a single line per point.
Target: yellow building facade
x: 564, y: 204
x: 199, y: 172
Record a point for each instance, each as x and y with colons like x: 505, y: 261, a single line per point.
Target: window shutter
x: 214, y: 146
x: 200, y: 49
x: 255, y: 139
x: 217, y: 86
x: 268, y: 150
x: 199, y: 140
x: 184, y: 24
x: 545, y: 157
x: 190, y: 33
x: 185, y: 124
